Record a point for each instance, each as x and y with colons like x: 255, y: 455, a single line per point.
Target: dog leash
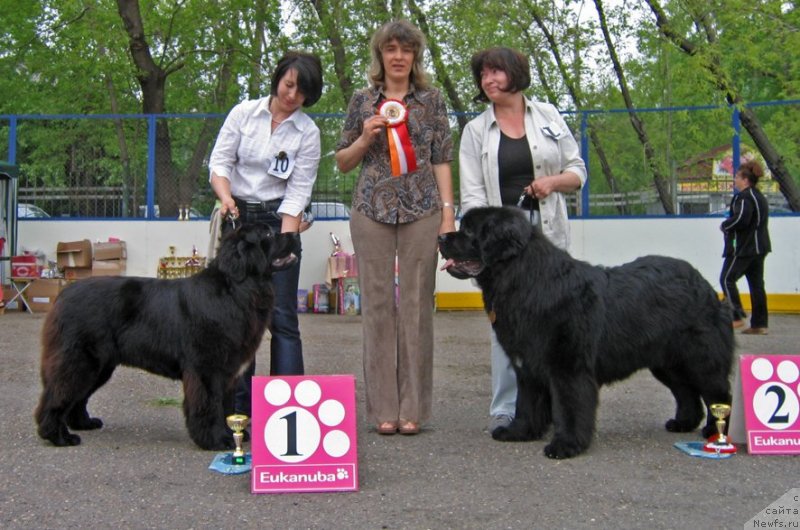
x: 231, y: 218
x: 533, y: 215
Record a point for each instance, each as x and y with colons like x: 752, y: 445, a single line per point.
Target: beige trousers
x: 398, y: 339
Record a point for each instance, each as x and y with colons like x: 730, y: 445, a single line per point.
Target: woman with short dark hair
x: 747, y: 244
x: 262, y: 169
x: 518, y: 152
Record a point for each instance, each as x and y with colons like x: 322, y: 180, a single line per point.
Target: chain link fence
x: 156, y: 166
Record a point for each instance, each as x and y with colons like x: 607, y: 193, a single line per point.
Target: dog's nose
x: 442, y: 238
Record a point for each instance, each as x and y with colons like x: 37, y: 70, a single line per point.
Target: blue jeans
x: 286, y: 348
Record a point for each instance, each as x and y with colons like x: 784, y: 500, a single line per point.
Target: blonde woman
x: 398, y: 132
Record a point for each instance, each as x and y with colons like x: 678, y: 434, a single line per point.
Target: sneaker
x: 500, y: 420
x: 755, y: 331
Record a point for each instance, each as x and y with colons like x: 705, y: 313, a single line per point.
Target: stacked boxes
x: 110, y: 258
x: 75, y: 258
x: 81, y: 259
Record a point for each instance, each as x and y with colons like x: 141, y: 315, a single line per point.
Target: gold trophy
x: 238, y: 423
x: 721, y: 444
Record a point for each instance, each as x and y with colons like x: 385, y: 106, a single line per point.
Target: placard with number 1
x: 304, y: 434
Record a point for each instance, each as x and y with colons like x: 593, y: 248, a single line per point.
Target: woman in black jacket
x: 746, y: 246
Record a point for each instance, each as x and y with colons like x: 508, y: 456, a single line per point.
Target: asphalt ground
x: 142, y: 470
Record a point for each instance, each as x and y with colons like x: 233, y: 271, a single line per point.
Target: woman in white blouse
x: 263, y: 167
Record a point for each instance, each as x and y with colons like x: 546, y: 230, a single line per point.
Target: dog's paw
x: 512, y: 433
x: 85, y: 424
x: 65, y: 439
x: 559, y: 449
x: 674, y: 425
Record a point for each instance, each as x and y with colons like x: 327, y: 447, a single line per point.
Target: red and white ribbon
x: 401, y: 152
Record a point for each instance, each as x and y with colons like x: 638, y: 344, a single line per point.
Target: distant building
x: 705, y: 181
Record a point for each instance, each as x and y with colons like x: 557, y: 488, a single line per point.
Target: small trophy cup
x: 238, y: 461
x: 721, y: 444
x: 238, y: 423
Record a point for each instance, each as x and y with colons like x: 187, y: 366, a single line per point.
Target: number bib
x: 281, y: 165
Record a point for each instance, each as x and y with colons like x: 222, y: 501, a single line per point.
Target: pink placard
x: 304, y: 434
x: 770, y: 390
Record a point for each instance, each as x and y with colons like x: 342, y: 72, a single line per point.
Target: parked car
x: 330, y: 210
x: 194, y: 213
x: 30, y: 211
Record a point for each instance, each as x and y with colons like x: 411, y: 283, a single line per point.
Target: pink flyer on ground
x: 304, y: 434
x: 770, y: 390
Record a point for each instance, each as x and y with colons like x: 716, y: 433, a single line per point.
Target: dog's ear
x: 502, y: 235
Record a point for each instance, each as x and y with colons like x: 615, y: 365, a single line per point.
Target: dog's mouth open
x: 463, y: 269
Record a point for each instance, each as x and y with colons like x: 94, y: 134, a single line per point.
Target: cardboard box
x: 111, y: 267
x: 42, y: 293
x: 74, y: 254
x: 77, y: 273
x: 108, y: 250
x: 25, y: 267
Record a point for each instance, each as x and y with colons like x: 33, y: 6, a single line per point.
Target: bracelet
x: 448, y: 205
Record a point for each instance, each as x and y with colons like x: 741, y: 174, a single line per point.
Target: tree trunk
x: 439, y: 66
x: 328, y: 23
x: 152, y: 80
x: 747, y: 117
x: 575, y: 94
x: 124, y: 156
x: 661, y: 182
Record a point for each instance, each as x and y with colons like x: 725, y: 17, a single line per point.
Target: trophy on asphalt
x: 238, y: 461
x: 238, y: 423
x: 721, y: 444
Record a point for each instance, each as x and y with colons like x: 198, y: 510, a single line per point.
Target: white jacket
x: 553, y: 150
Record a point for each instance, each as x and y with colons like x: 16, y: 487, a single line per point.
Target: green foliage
x: 73, y: 57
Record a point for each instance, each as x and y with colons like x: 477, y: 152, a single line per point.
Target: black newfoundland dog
x: 570, y: 327
x: 202, y: 330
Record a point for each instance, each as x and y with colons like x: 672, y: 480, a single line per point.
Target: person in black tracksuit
x: 746, y: 246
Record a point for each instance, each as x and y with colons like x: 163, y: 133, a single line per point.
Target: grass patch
x: 167, y: 402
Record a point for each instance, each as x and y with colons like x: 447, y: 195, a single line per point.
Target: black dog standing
x: 571, y: 327
x: 203, y: 330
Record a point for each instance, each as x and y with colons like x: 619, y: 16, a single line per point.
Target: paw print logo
x: 775, y: 401
x: 342, y: 474
x: 303, y: 410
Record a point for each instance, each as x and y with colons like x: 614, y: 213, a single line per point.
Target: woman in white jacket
x: 518, y: 152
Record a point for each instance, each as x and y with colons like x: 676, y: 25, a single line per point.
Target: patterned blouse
x: 412, y: 196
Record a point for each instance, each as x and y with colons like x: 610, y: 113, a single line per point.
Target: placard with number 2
x: 771, y: 402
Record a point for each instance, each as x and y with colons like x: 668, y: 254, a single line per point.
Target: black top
x: 515, y: 166
x: 747, y: 223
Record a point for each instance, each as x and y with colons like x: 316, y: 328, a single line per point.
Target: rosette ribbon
x: 401, y: 152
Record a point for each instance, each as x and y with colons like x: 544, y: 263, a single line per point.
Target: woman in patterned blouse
x: 400, y: 205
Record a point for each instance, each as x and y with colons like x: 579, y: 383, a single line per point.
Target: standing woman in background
x: 746, y: 247
x: 519, y: 153
x: 398, y: 131
x: 263, y: 167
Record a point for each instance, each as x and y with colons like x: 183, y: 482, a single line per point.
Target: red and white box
x: 25, y: 267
